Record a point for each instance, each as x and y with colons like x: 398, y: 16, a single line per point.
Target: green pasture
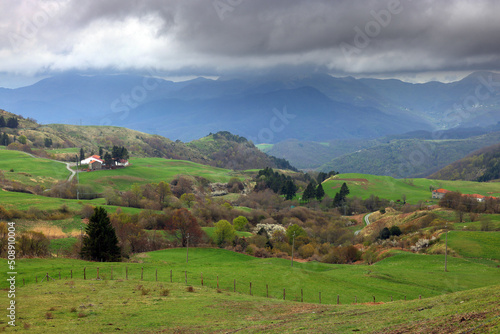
x: 130, y: 306
x: 74, y: 150
x: 31, y: 171
x: 23, y: 202
x: 416, y: 190
x: 151, y: 170
x: 475, y: 244
x: 404, y: 274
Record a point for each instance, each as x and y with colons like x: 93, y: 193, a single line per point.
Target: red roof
x: 475, y: 196
x: 95, y: 156
x: 441, y: 190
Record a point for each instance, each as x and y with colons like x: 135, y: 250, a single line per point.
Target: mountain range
x: 316, y: 107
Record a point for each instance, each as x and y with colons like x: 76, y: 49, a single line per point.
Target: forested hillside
x: 481, y: 165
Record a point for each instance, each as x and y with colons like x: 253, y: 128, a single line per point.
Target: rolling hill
x: 221, y: 149
x: 480, y: 165
x: 409, y: 157
x: 416, y: 190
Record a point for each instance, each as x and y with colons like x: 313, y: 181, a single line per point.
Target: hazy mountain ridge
x: 325, y: 107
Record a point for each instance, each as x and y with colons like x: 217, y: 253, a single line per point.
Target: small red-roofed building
x: 439, y: 193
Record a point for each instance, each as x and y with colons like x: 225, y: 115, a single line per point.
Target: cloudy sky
x: 413, y: 40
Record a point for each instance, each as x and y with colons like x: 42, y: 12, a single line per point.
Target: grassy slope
x: 475, y: 244
x: 111, y: 306
x: 148, y: 170
x: 404, y: 274
x: 29, y: 170
x: 392, y: 189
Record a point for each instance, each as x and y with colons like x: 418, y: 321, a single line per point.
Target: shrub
x: 49, y: 315
x: 190, y: 289
x: 145, y: 291
x: 164, y: 292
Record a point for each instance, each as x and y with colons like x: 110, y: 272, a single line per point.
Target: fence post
x: 419, y: 296
x: 201, y: 279
x: 284, y: 294
x: 374, y: 299
x: 47, y: 277
x: 250, y: 288
x: 338, y: 299
x: 355, y: 299
x: 23, y: 281
x: 186, y: 276
x: 71, y: 273
x: 156, y: 274
x: 170, y: 275
x: 84, y: 273
x: 301, y: 295
x: 267, y: 291
x: 391, y: 298
x: 320, y: 297
x: 217, y: 281
x: 142, y: 273
x: 97, y: 272
x: 234, y: 285
x: 405, y: 297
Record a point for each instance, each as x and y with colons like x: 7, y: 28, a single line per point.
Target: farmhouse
x: 95, y: 163
x: 477, y: 197
x: 439, y: 193
x: 91, y: 158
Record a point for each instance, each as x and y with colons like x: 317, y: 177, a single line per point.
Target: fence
x: 216, y: 282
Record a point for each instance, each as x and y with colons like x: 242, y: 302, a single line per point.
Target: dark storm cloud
x: 220, y: 36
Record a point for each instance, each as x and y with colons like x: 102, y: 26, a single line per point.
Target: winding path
x: 366, y: 219
x: 68, y: 164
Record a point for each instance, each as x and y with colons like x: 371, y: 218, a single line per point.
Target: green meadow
x: 149, y: 170
x: 403, y: 274
x: 473, y: 244
x: 21, y: 167
x: 416, y: 190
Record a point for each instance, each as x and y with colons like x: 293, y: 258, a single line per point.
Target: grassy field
x: 404, y: 274
x: 22, y: 201
x: 148, y: 170
x: 364, y: 185
x: 77, y: 306
x: 31, y: 171
x: 473, y: 244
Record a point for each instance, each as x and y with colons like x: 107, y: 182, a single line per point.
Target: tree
x: 108, y: 160
x: 385, y: 233
x: 101, y: 152
x: 309, y: 193
x: 2, y: 122
x: 224, y: 232
x: 12, y: 123
x: 320, y: 192
x: 344, y: 191
x: 188, y: 198
x: 5, y: 141
x: 395, y: 230
x: 82, y: 154
x: 240, y: 223
x: 299, y: 231
x: 22, y: 139
x: 289, y: 189
x: 100, y: 242
x: 183, y: 223
x: 163, y: 190
x: 48, y: 142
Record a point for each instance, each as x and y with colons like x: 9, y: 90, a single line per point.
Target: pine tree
x: 100, y: 242
x: 344, y: 191
x: 82, y: 154
x: 320, y: 192
x: 12, y: 123
x: 2, y: 122
x: 309, y: 193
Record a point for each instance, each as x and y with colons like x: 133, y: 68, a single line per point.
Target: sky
x: 415, y: 41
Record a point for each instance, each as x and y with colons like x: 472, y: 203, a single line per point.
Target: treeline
x: 466, y: 204
x: 11, y: 122
x: 279, y: 183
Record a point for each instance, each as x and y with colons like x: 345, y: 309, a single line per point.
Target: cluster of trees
x: 11, y: 122
x: 322, y: 176
x: 313, y: 192
x: 117, y: 153
x: 465, y: 204
x: 277, y: 182
x: 340, y: 197
x: 28, y: 243
x: 4, y: 139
